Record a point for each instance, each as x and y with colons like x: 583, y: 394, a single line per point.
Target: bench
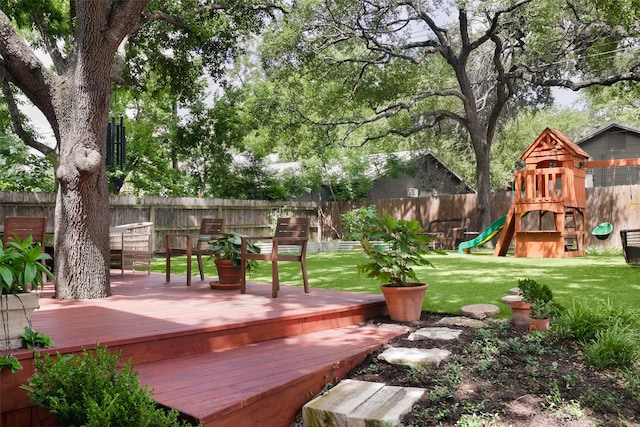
x: 631, y: 246
x: 448, y: 233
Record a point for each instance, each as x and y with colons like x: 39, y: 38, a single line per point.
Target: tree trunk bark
x: 82, y: 205
x: 82, y: 208
x: 483, y: 179
x: 76, y: 104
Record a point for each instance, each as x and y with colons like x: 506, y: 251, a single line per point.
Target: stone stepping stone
x: 394, y: 327
x: 461, y: 321
x: 514, y: 291
x: 414, y: 357
x: 480, y: 311
x: 355, y: 403
x: 511, y: 298
x: 435, y: 333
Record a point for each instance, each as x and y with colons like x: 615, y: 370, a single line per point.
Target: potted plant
x: 226, y: 252
x: 22, y: 272
x: 542, y: 313
x: 542, y: 306
x: 394, y: 247
x: 521, y: 309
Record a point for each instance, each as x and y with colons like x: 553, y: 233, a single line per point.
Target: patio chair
x: 20, y: 227
x: 130, y: 247
x: 193, y: 244
x: 289, y: 243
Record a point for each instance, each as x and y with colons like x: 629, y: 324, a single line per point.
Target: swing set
x: 603, y: 230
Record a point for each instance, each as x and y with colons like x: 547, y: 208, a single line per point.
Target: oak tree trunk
x: 82, y: 206
x: 483, y: 179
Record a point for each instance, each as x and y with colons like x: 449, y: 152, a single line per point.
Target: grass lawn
x: 458, y: 280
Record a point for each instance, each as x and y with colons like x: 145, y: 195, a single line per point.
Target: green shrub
x: 614, y: 347
x: 354, y: 221
x: 608, y: 334
x: 583, y: 320
x: 95, y: 389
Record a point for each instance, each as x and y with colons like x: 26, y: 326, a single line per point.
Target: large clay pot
x: 520, y: 311
x: 15, y: 313
x: 405, y: 303
x: 228, y: 276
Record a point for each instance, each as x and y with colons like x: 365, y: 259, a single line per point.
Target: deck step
x: 261, y: 384
x: 361, y: 404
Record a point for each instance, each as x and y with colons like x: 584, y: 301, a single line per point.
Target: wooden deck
x: 219, y: 357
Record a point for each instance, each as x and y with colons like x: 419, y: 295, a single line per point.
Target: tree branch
x: 576, y: 85
x: 176, y: 21
x: 16, y: 119
x: 20, y: 66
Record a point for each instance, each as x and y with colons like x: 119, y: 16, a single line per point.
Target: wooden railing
x: 550, y: 185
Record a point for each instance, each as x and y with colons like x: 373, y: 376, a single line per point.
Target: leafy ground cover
x: 498, y: 376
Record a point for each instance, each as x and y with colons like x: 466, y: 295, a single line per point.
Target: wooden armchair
x: 193, y: 244
x: 20, y: 227
x: 130, y: 247
x: 289, y: 243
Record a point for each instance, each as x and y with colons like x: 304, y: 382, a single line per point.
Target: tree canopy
x: 379, y: 68
x: 335, y: 76
x: 90, y: 44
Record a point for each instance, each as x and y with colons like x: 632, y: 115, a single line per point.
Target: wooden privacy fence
x: 619, y: 205
x: 172, y: 215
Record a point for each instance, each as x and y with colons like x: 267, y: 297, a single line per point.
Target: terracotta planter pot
x: 541, y: 325
x: 227, y: 274
x: 15, y: 314
x: 404, y: 304
x: 520, y: 311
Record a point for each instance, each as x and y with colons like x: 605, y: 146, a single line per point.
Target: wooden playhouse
x: 547, y: 217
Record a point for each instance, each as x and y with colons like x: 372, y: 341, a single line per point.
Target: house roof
x: 377, y: 164
x: 553, y: 139
x: 608, y: 128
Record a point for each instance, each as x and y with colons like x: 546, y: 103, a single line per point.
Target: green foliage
x: 394, y: 247
x: 10, y: 362
x: 547, y: 310
x: 540, y: 296
x: 229, y: 246
x: 21, y: 267
x: 23, y: 11
x: 354, y: 221
x: 347, y: 177
x: 32, y: 339
x: 608, y: 333
x: 21, y: 170
x: 533, y: 291
x: 616, y: 346
x: 95, y: 389
x: 583, y: 319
